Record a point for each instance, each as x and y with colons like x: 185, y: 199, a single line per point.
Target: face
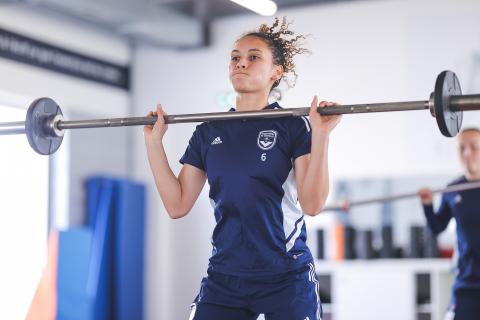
x: 469, y: 151
x: 251, y: 66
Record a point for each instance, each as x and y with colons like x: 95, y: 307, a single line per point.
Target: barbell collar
x: 52, y: 125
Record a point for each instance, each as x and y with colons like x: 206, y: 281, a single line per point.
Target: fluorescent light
x: 262, y: 7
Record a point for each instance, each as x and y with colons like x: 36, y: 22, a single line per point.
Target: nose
x: 240, y: 64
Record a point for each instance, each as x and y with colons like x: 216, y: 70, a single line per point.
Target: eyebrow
x: 250, y: 50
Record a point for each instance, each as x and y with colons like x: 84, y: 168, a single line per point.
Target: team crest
x: 266, y: 139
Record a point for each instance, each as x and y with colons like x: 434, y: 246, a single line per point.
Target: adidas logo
x: 217, y: 140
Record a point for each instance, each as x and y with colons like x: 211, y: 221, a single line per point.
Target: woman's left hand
x: 321, y: 123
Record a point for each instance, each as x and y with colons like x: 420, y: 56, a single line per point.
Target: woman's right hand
x: 426, y: 196
x: 154, y: 133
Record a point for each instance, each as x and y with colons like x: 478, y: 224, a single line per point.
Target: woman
x: 256, y: 169
x: 464, y: 206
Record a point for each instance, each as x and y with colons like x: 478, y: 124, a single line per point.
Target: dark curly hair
x: 284, y: 44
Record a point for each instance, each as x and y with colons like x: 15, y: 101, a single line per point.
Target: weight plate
x: 40, y: 135
x: 449, y: 121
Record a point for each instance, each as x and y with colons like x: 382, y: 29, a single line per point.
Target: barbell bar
x: 379, y: 200
x: 44, y: 124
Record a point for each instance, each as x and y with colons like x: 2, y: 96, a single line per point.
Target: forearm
x: 437, y: 222
x: 168, y: 185
x: 315, y: 184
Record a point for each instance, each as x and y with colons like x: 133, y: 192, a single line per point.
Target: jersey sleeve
x: 438, y: 221
x: 193, y: 153
x: 302, y: 137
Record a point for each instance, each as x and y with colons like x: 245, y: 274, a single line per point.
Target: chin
x: 473, y: 173
x: 239, y: 88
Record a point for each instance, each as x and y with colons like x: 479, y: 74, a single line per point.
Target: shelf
x: 351, y: 288
x: 327, y: 307
x: 424, y: 308
x: 416, y: 265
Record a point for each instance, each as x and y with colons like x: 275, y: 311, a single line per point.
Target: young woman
x: 464, y: 207
x: 258, y: 170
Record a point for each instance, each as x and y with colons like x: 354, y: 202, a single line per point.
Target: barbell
x: 44, y: 124
x: 453, y: 188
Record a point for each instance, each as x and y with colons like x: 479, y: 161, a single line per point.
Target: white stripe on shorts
x: 313, y: 278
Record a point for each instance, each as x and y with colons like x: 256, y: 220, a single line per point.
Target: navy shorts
x: 293, y: 295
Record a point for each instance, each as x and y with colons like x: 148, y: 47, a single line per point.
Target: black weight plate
x: 40, y: 137
x: 449, y: 121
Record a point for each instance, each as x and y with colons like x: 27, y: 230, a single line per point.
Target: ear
x: 277, y: 72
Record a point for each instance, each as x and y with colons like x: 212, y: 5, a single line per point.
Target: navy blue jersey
x: 464, y: 206
x: 260, y: 228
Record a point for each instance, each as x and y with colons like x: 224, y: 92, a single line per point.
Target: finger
x: 159, y: 108
x: 314, y: 102
x: 160, y: 118
x: 323, y: 104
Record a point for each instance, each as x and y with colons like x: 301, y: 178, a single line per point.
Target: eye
x: 253, y: 57
x: 234, y: 58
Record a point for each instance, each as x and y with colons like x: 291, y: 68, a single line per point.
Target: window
x: 24, y: 185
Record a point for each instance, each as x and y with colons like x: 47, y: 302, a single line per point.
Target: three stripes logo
x: 217, y: 140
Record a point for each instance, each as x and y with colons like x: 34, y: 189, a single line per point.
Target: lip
x: 239, y: 73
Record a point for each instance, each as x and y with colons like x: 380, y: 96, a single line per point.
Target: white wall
x: 71, y: 93
x: 79, y: 99
x: 375, y: 51
x: 79, y: 156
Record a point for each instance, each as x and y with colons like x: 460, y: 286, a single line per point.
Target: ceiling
x: 168, y: 23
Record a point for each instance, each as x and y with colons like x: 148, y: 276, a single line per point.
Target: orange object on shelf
x: 339, y: 241
x: 44, y: 303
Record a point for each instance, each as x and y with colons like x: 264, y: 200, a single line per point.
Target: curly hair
x: 284, y: 44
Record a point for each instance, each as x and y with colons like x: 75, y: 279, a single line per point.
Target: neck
x: 251, y: 101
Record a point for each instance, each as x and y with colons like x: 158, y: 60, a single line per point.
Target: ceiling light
x: 262, y: 7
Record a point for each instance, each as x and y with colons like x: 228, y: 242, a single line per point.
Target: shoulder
x: 296, y: 124
x: 200, y: 134
x: 203, y: 128
x: 457, y: 180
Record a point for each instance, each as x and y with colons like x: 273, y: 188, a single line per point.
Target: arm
x: 311, y: 170
x: 437, y: 222
x: 178, y: 194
